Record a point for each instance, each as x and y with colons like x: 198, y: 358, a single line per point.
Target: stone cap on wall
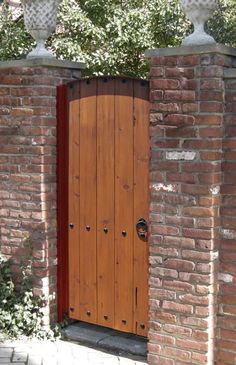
x: 43, y: 62
x: 191, y: 50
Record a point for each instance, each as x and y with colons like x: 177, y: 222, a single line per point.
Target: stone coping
x: 230, y: 73
x: 43, y: 62
x: 191, y: 50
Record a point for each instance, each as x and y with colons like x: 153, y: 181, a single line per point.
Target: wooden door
x: 107, y: 195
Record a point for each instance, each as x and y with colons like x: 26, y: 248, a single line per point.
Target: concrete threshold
x: 107, y: 339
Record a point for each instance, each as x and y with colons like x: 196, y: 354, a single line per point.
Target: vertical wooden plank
x: 141, y: 199
x: 73, y: 199
x: 62, y: 201
x: 124, y: 205
x: 88, y: 197
x: 105, y: 201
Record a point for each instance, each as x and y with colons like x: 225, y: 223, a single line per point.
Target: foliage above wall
x: 112, y: 35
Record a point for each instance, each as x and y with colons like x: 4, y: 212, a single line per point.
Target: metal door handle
x: 142, y: 229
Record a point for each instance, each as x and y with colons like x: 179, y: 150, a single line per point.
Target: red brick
x: 189, y: 84
x: 177, y: 307
x: 162, y: 294
x: 192, y: 60
x: 194, y: 189
x: 161, y: 61
x: 200, y: 358
x: 176, y: 353
x: 200, y: 335
x: 166, y: 251
x: 194, y: 321
x: 211, y: 84
x: 162, y: 272
x: 21, y: 112
x: 156, y: 95
x: 209, y: 167
x: 213, y: 144
x: 165, y: 84
x: 210, y: 178
x: 179, y: 95
x: 179, y: 221
x: 199, y: 211
x: 194, y: 299
x: 211, y: 106
x: 194, y: 278
x: 228, y: 357
x: 166, y: 107
x: 179, y: 72
x: 178, y: 285
x: 181, y: 177
x: 181, y: 132
x: 161, y: 338
x: 211, y: 95
x: 182, y: 331
x: 210, y: 132
x: 190, y: 107
x: 156, y: 360
x: 209, y: 71
x: 209, y: 200
x: 195, y: 345
x: 156, y: 72
x: 179, y: 264
x: 208, y: 119
x: 165, y: 230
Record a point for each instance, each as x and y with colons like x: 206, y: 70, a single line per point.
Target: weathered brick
x: 165, y: 84
x: 176, y: 353
x: 179, y: 264
x: 177, y: 307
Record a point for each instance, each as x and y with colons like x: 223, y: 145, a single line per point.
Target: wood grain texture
x: 141, y: 204
x: 88, y: 198
x: 108, y: 193
x: 105, y: 201
x: 73, y: 199
x: 124, y: 205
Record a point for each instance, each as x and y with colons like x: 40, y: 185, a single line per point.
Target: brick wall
x: 187, y: 142
x: 193, y: 203
x: 226, y: 343
x: 28, y: 170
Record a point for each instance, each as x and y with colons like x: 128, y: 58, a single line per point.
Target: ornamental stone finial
x: 198, y: 12
x: 40, y: 20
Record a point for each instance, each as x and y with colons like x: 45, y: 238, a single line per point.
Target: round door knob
x: 71, y: 225
x: 105, y: 229
x: 124, y: 233
x: 88, y: 228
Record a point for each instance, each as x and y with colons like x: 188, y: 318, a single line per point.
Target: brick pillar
x: 28, y: 167
x: 226, y: 343
x: 187, y: 135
